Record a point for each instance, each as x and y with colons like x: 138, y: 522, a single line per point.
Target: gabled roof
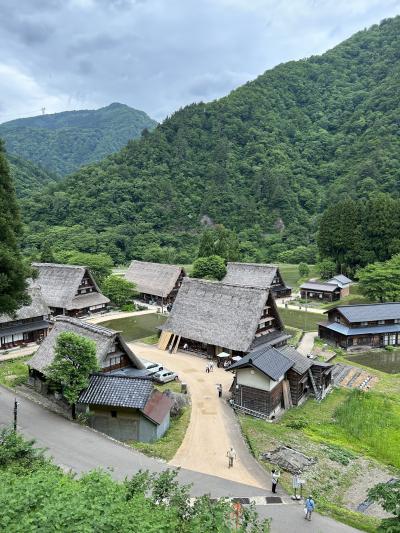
x: 153, y: 278
x: 60, y: 283
x: 157, y: 406
x: 365, y: 330
x: 320, y: 286
x: 301, y: 362
x: 268, y: 360
x: 369, y: 312
x: 250, y: 274
x: 216, y: 313
x: 87, y: 300
x: 36, y: 308
x: 103, y: 337
x: 341, y: 279
x: 116, y: 391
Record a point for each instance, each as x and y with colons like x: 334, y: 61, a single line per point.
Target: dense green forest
x: 63, y: 142
x: 265, y: 161
x: 28, y: 177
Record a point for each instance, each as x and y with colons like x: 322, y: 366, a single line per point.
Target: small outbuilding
x: 126, y: 408
x: 318, y: 290
x: 156, y: 282
x: 69, y: 289
x: 258, y: 275
x: 343, y: 282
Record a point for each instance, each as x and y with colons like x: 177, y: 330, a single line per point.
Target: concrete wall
x: 125, y: 426
x: 251, y: 377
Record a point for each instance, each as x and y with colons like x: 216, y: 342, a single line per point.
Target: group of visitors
x: 309, y: 504
x: 210, y: 367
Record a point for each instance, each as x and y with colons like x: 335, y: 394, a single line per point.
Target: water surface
x: 388, y: 362
x: 136, y: 327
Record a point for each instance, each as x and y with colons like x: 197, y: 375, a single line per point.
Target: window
x: 18, y: 337
x: 397, y: 320
x: 113, y: 414
x: 364, y: 323
x: 381, y: 321
x: 115, y: 360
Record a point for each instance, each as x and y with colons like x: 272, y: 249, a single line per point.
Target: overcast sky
x: 158, y: 55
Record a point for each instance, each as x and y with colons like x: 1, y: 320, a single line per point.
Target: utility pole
x: 15, y: 414
x: 43, y: 110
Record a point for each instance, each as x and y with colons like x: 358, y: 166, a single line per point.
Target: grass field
x: 306, y: 321
x: 291, y: 276
x: 295, y: 335
x: 14, y: 372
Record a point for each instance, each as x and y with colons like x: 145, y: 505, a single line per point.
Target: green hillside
x: 63, y: 142
x: 265, y: 160
x: 27, y: 176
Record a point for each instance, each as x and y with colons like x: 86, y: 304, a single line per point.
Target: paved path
x: 213, y: 426
x: 307, y: 342
x: 303, y: 310
x: 81, y: 449
x: 96, y: 319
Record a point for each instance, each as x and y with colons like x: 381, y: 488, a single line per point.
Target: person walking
x: 207, y: 368
x: 212, y: 366
x: 275, y: 475
x: 231, y: 454
x: 219, y: 389
x: 309, y: 507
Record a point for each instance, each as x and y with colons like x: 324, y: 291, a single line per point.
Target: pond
x: 136, y: 327
x: 383, y: 360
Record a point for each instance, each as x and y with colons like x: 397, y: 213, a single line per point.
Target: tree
x: 119, y: 290
x: 75, y: 359
x: 380, y: 281
x: 13, y: 271
x: 212, y: 267
x: 46, y: 253
x: 100, y: 264
x: 326, y: 268
x: 219, y: 241
x: 303, y: 270
x: 388, y: 496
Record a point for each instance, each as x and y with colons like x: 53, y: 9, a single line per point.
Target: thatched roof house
x: 69, y: 289
x: 214, y: 317
x: 257, y: 275
x: 111, y: 349
x: 30, y: 323
x: 156, y: 281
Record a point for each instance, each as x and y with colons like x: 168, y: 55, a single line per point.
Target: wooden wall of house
x: 257, y: 399
x: 299, y: 385
x: 322, y: 375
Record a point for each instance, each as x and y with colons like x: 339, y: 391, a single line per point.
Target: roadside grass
x: 152, y: 339
x: 14, y: 372
x: 174, y: 386
x: 355, y: 297
x: 296, y: 335
x: 307, y: 321
x: 166, y: 447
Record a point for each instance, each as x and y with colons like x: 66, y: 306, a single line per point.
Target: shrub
x: 297, y: 423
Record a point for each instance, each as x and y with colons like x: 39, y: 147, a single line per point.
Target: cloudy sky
x: 158, y: 55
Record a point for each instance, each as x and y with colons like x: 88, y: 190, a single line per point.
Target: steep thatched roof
x: 250, y: 274
x: 36, y: 308
x: 217, y: 313
x: 103, y: 337
x: 60, y: 284
x: 153, y: 278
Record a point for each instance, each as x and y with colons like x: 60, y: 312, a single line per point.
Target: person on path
x: 219, y: 389
x: 275, y: 475
x: 212, y: 366
x: 231, y: 454
x: 309, y: 507
x: 207, y: 368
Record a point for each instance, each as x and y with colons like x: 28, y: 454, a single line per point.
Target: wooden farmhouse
x: 211, y: 317
x: 268, y: 380
x: 112, y: 351
x: 343, y: 282
x: 156, y: 282
x: 368, y: 325
x: 318, y: 290
x: 30, y: 324
x: 126, y: 408
x: 257, y: 275
x: 69, y: 290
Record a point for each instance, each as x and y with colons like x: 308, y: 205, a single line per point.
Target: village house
x: 366, y: 325
x: 125, y: 408
x: 156, y: 282
x: 30, y: 323
x: 257, y: 275
x: 69, y: 289
x: 268, y: 380
x: 211, y: 317
x: 112, y: 351
x: 343, y: 282
x: 320, y: 290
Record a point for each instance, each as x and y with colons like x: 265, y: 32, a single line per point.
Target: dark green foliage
x: 14, y: 448
x: 46, y: 253
x: 28, y: 177
x: 326, y: 268
x: 63, y: 142
x: 265, y: 161
x: 381, y: 281
x: 212, y: 267
x: 388, y: 496
x: 339, y: 454
x: 120, y: 291
x: 100, y: 264
x: 75, y: 359
x: 13, y: 271
x: 219, y: 241
x: 306, y: 254
x: 303, y: 270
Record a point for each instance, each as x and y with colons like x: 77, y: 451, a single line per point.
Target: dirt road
x: 213, y: 427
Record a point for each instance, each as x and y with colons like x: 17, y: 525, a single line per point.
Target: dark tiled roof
x: 301, y: 362
x: 366, y: 330
x: 343, y: 280
x: 370, y: 312
x: 157, y: 407
x: 268, y: 360
x: 116, y: 391
x: 319, y: 286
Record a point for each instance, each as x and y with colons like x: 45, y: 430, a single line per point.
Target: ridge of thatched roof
x: 217, y: 313
x: 257, y: 275
x: 153, y: 278
x: 60, y: 283
x: 104, y: 339
x: 36, y: 308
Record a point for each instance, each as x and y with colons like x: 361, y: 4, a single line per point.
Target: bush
x: 128, y: 307
x: 339, y: 455
x: 14, y: 448
x: 212, y: 267
x: 297, y: 423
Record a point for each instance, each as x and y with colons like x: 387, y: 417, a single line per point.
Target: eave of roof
x: 344, y: 330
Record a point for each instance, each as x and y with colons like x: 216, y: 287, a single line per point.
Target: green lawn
x: 291, y: 276
x: 307, y: 321
x: 14, y: 372
x: 355, y: 297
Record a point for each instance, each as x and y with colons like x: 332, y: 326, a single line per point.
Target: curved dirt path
x: 213, y: 426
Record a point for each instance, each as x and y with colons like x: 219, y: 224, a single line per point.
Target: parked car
x: 164, y: 376
x: 152, y: 367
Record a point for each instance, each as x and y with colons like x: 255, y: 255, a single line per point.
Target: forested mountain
x: 27, y: 176
x: 63, y: 142
x: 265, y: 161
